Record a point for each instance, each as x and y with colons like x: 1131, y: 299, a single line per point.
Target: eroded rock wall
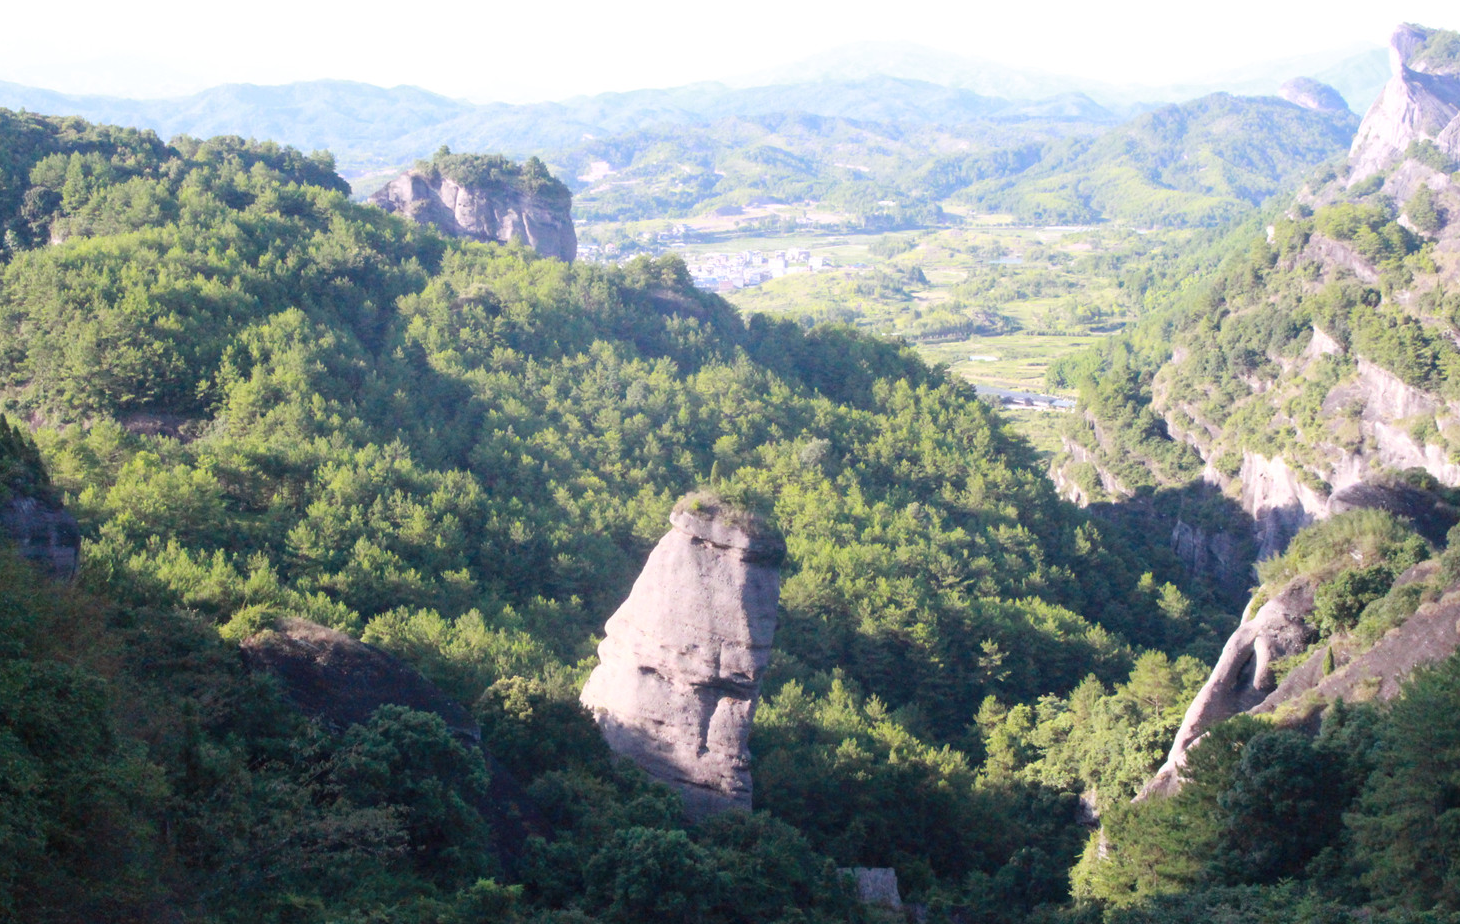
x: 1378, y: 672
x: 499, y: 213
x: 43, y: 534
x: 1279, y: 501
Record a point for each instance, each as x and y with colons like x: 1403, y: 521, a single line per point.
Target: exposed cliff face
x: 1207, y: 531
x: 1420, y: 102
x: 1219, y: 555
x: 682, y: 658
x: 1367, y: 425
x: 1375, y: 408
x: 1278, y: 500
x: 486, y: 212
x: 44, y: 534
x: 1387, y: 403
x: 1243, y: 677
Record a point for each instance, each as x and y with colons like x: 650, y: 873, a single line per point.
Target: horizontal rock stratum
x: 682, y: 658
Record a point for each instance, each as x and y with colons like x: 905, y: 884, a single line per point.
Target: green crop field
x: 997, y: 304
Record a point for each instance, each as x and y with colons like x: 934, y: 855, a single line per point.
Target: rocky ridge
x: 682, y: 659
x: 1350, y: 670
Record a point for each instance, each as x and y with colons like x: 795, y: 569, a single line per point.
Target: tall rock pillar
x: 682, y: 658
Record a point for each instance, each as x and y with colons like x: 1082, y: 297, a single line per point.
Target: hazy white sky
x: 520, y: 51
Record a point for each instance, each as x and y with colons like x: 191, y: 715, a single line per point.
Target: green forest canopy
x: 263, y: 400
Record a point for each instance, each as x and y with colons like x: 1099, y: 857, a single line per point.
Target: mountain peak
x: 1421, y: 101
x: 1313, y: 94
x: 1425, y: 50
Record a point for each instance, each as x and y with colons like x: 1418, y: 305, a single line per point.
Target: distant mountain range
x: 1358, y: 73
x: 372, y: 129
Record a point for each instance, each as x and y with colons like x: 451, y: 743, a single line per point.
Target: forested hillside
x: 877, y: 174
x: 1202, y: 163
x: 262, y: 400
x: 1292, y: 381
x: 1197, y: 164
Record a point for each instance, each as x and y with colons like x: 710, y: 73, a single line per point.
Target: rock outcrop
x: 1313, y: 94
x: 44, y: 534
x: 1421, y: 101
x: 1217, y: 555
x: 1356, y: 673
x: 1243, y: 677
x: 1346, y: 667
x: 682, y: 659
x: 485, y: 206
x: 32, y: 517
x: 340, y: 682
x: 1429, y: 513
x: 876, y: 885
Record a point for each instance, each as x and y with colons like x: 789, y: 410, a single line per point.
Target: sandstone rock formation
x: 1430, y: 635
x: 876, y: 885
x: 1313, y: 94
x: 1421, y: 101
x: 486, y: 210
x: 31, y: 515
x: 1380, y: 409
x: 1243, y: 677
x: 44, y: 534
x: 1279, y: 501
x: 1344, y: 668
x: 682, y: 658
